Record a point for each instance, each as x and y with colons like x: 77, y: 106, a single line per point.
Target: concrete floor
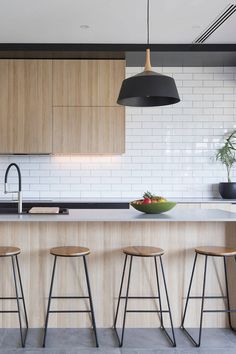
x: 137, y: 341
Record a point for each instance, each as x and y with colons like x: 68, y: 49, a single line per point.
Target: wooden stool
x: 70, y: 251
x: 13, y: 253
x: 209, y: 251
x: 144, y: 251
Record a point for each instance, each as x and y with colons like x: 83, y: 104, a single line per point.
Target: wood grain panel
x: 106, y: 241
x: 88, y: 130
x: 6, y: 127
x: 89, y: 83
x: 25, y: 106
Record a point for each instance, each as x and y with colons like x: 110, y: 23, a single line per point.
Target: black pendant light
x: 148, y: 88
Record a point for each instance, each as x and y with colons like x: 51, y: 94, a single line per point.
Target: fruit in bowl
x: 152, y: 204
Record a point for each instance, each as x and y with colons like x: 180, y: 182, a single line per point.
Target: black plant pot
x: 227, y: 190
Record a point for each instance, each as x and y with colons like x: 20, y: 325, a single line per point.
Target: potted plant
x: 227, y: 156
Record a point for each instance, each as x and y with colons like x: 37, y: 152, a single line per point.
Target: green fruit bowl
x: 154, y: 208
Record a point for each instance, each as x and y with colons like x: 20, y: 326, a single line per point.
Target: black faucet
x: 19, y: 185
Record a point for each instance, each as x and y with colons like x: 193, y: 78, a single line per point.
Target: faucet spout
x: 19, y: 191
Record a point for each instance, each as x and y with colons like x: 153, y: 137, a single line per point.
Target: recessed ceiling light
x: 84, y: 26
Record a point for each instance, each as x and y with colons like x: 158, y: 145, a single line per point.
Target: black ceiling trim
x: 94, y: 47
x: 134, y: 54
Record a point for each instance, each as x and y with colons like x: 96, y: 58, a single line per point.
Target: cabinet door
x: 92, y: 83
x: 85, y: 130
x: 26, y: 106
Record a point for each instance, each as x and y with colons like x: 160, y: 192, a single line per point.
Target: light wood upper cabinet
x: 61, y: 107
x: 88, y: 130
x: 26, y: 106
x: 86, y: 117
x: 92, y: 83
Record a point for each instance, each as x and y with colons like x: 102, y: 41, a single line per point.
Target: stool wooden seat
x: 216, y: 251
x: 70, y: 251
x: 143, y: 251
x: 6, y: 251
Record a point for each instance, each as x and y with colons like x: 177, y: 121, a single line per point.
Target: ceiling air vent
x: 229, y: 10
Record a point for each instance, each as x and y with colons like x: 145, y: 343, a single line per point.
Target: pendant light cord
x: 148, y: 66
x: 148, y: 23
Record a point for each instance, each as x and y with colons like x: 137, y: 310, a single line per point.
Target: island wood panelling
x: 106, y: 240
x: 25, y: 106
x: 30, y: 88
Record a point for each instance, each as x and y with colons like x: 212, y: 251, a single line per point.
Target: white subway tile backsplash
x: 193, y: 83
x: 169, y: 150
x: 192, y: 70
x: 214, y: 69
x: 60, y: 187
x: 88, y: 180
x: 204, y: 76
x: 223, y: 76
x: 212, y: 83
x: 183, y: 76
x: 224, y: 104
x: 230, y: 69
x: 203, y: 90
x: 170, y: 70
x: 223, y: 90
x: 192, y: 97
x: 47, y: 180
x: 38, y: 187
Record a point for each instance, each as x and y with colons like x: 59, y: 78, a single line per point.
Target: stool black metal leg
x: 189, y: 290
x: 90, y: 301
x: 159, y: 293
x: 18, y: 303
x: 172, y: 340
x: 120, y: 292
x: 22, y: 293
x: 203, y: 299
x: 126, y: 302
x: 197, y: 344
x: 227, y: 295
x: 49, y: 301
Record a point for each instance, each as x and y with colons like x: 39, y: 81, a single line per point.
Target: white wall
x: 169, y: 150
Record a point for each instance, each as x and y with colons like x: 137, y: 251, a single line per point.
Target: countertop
x: 127, y: 215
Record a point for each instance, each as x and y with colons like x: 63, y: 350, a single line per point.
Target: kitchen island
x: 106, y: 232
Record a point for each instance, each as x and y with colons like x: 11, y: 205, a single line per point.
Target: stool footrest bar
x: 228, y: 311
x: 208, y: 297
x: 69, y: 311
x: 154, y: 311
x: 10, y: 298
x: 69, y: 297
x: 140, y: 297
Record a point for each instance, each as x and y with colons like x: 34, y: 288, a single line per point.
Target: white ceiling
x: 111, y: 21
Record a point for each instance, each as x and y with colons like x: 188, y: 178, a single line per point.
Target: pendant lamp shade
x: 148, y: 88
